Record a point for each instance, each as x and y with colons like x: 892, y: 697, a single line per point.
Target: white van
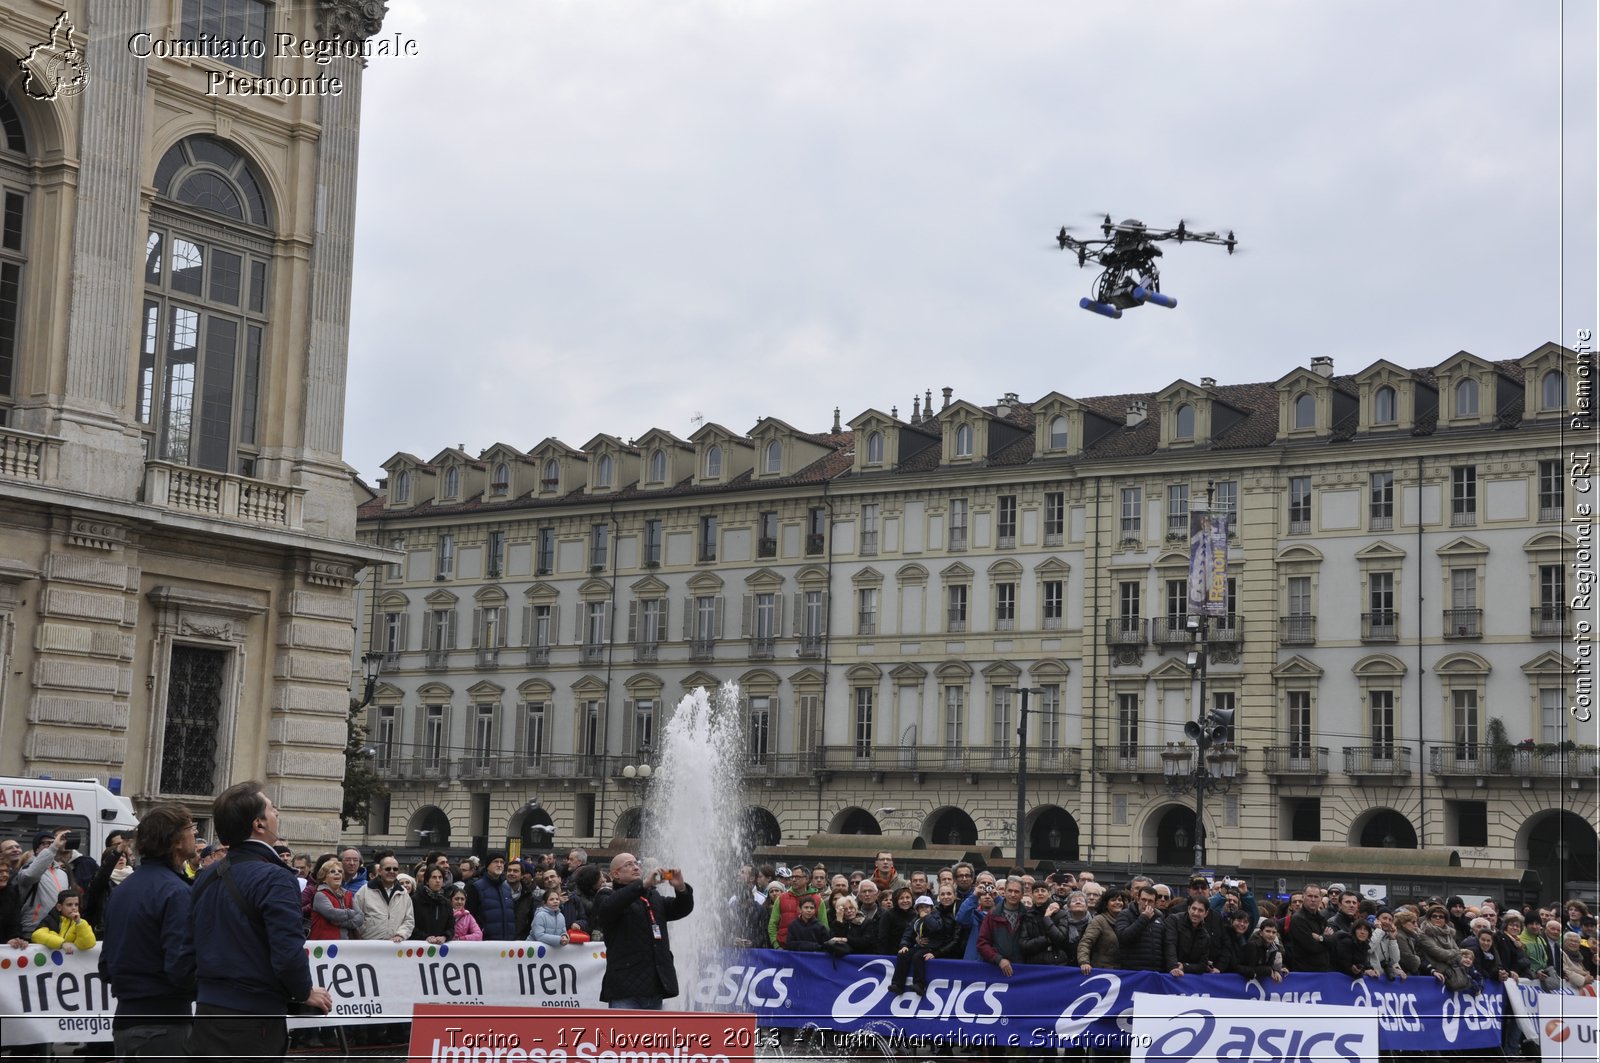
x: 28, y: 806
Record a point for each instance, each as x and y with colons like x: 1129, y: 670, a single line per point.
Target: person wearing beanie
x: 922, y: 937
x: 490, y: 902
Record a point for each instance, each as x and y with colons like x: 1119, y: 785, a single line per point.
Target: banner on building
x: 1208, y: 563
x: 53, y: 996
x: 1174, y: 1027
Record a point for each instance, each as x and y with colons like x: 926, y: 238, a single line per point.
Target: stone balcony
x: 204, y: 493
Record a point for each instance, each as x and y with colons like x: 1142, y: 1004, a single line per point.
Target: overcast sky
x: 584, y: 217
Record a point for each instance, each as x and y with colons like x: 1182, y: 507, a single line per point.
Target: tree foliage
x: 361, y: 781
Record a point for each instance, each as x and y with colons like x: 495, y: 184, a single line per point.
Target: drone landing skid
x: 1147, y: 295
x: 1105, y: 309
x: 1138, y: 296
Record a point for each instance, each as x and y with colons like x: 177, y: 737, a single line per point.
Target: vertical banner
x: 1208, y: 563
x: 1567, y: 1026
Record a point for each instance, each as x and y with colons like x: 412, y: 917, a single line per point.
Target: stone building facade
x: 177, y: 532
x: 1401, y: 572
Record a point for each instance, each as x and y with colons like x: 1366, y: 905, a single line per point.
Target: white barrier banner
x: 54, y: 996
x: 1179, y: 1027
x: 1567, y: 1026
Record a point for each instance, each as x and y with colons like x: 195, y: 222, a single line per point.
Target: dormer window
x: 1384, y: 410
x: 1553, y: 390
x: 452, y: 482
x: 774, y: 457
x: 1058, y: 432
x: 1183, y: 422
x: 402, y: 486
x: 964, y: 441
x: 714, y: 463
x: 875, y: 448
x: 658, y: 466
x: 602, y: 471
x: 552, y: 475
x: 502, y: 479
x: 1305, y: 411
x: 1467, y: 398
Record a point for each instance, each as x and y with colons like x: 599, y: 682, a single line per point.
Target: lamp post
x: 1022, y: 762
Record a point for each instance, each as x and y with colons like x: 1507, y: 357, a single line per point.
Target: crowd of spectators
x: 1214, y: 926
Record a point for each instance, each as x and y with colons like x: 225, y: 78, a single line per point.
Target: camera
x: 71, y: 840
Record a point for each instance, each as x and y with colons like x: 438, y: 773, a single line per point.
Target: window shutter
x: 477, y: 628
x: 799, y: 614
x: 404, y: 635
x: 747, y: 617
x: 688, y: 618
x: 527, y: 625
x: 717, y: 628
x: 777, y: 614
x: 555, y: 625
x: 605, y: 622
x: 578, y: 617
x: 501, y: 627
x: 450, y: 636
x: 627, y: 726
x: 427, y: 632
x: 825, y: 614
x: 633, y: 621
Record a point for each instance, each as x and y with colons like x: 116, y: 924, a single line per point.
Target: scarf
x: 880, y: 880
x: 120, y: 873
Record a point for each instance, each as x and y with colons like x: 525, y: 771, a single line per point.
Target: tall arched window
x: 964, y: 441
x: 207, y: 270
x: 1383, y: 406
x: 713, y: 462
x: 552, y: 475
x: 452, y: 481
x: 1305, y: 411
x: 1183, y: 426
x: 875, y: 448
x: 502, y: 478
x: 14, y: 181
x: 1553, y: 390
x: 602, y: 471
x: 658, y: 466
x: 402, y: 486
x: 1467, y: 398
x: 774, y: 461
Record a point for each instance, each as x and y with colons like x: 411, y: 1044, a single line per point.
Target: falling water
x: 694, y: 807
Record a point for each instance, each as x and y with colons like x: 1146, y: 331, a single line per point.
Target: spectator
x: 549, y: 926
x: 1186, y: 942
x: 10, y: 907
x: 1508, y: 946
x: 43, y: 879
x: 1406, y: 934
x: 149, y: 961
x: 1484, y: 957
x: 1385, y: 947
x: 1232, y: 953
x: 489, y: 900
x: 884, y: 876
x: 892, y: 924
x: 583, y: 897
x: 576, y: 858
x: 388, y: 913
x: 920, y: 886
x: 433, y: 919
x: 973, y: 911
x: 786, y: 908
x: 1573, y: 970
x: 523, y: 897
x: 333, y: 908
x: 1436, y: 945
x: 1038, y: 946
x: 464, y: 927
x: 1068, y: 925
x: 965, y: 878
x: 867, y: 897
x: 1307, y: 946
x: 308, y: 893
x: 1000, y: 935
x: 1140, y: 930
x: 467, y: 869
x: 923, y: 935
x: 1098, y: 948
x: 66, y: 929
x: 955, y: 935
x: 635, y: 917
x: 852, y: 933
x: 1459, y: 919
x: 806, y: 933
x: 1351, y: 951
x: 114, y: 867
x: 1265, y: 956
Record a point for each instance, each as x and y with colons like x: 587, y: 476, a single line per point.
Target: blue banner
x: 973, y: 1004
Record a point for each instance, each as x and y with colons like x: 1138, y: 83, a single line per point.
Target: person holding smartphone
x: 634, y: 917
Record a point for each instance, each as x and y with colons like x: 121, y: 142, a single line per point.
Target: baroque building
x: 177, y: 526
x: 1400, y: 591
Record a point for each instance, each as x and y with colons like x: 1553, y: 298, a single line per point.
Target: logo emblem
x: 56, y: 68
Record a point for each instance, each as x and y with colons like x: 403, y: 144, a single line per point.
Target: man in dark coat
x: 1140, y: 929
x: 490, y: 902
x: 1307, y: 933
x: 250, y: 954
x: 634, y: 917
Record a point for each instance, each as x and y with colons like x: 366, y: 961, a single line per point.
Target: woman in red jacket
x: 333, y: 911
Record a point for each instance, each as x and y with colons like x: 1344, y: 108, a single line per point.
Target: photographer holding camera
x: 46, y: 876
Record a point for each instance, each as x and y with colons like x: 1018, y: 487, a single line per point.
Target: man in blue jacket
x: 490, y: 902
x: 149, y: 959
x: 248, y: 936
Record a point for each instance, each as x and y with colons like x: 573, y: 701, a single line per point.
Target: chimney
x: 1002, y: 405
x: 1208, y: 382
x: 1138, y: 409
x: 1322, y: 365
x: 916, y: 409
x: 947, y: 393
x: 927, y: 404
x: 837, y: 428
x: 894, y: 413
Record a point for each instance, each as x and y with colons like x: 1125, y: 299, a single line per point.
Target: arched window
x: 602, y: 471
x: 713, y: 462
x: 964, y: 441
x: 875, y: 448
x: 552, y: 475
x: 502, y: 478
x: 452, y: 482
x: 208, y: 260
x: 1183, y: 422
x: 402, y: 486
x: 1305, y: 411
x: 1466, y: 398
x: 658, y: 466
x: 774, y: 457
x: 14, y: 180
x: 1383, y: 406
x: 1058, y: 432
x: 1553, y: 390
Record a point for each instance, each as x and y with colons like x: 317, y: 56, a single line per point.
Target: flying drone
x: 1127, y: 250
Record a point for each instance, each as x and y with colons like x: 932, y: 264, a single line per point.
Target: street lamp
x: 1206, y: 732
x: 371, y: 666
x: 1022, y: 760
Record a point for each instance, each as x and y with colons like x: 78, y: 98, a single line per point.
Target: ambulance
x: 28, y: 806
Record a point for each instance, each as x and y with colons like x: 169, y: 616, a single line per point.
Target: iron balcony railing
x: 962, y: 759
x: 1393, y: 760
x: 1463, y: 623
x: 1170, y: 631
x: 437, y: 660
x: 646, y: 652
x: 810, y: 645
x: 1227, y: 628
x: 1125, y: 631
x: 488, y: 657
x: 762, y: 648
x: 1522, y: 761
x: 1552, y: 621
x: 1173, y: 758
x: 1381, y: 626
x: 538, y: 656
x: 1298, y: 630
x: 1296, y: 760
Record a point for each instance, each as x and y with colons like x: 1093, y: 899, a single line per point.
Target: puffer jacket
x: 1098, y: 946
x: 1140, y: 939
x: 1037, y: 946
x: 489, y: 901
x: 1186, y: 945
